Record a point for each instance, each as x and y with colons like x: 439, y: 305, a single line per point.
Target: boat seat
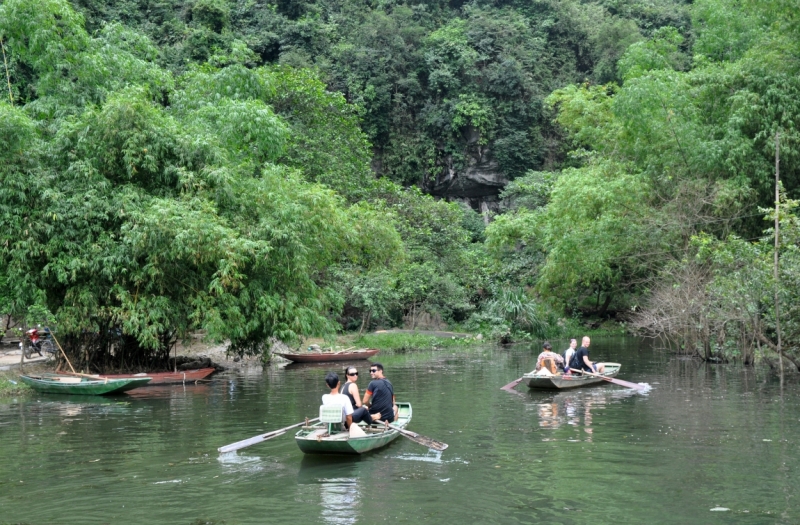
x: 550, y: 364
x: 69, y: 379
x: 333, y: 416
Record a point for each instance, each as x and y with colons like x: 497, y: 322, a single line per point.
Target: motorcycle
x: 37, y: 343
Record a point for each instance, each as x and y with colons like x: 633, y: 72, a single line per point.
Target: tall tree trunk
x: 606, y: 303
x: 777, y: 247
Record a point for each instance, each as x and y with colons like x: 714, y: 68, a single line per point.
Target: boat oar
x: 63, y: 352
x: 74, y: 373
x: 512, y: 384
x: 261, y: 437
x: 620, y: 382
x: 422, y: 440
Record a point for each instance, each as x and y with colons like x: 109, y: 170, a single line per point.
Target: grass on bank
x: 406, y: 340
x: 11, y: 386
x: 414, y: 341
x: 420, y: 341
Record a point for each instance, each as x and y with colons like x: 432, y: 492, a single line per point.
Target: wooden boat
x: 167, y: 378
x: 560, y: 381
x: 65, y: 384
x: 315, y: 439
x: 324, y: 357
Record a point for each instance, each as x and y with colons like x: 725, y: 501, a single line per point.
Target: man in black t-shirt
x: 580, y: 360
x: 380, y: 395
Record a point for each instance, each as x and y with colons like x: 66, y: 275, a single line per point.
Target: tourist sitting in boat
x: 580, y: 360
x: 350, y: 389
x: 335, y: 398
x: 380, y: 396
x: 568, y: 353
x: 549, y: 361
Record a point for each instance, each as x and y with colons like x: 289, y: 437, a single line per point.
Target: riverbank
x: 11, y: 386
x: 197, y: 350
x: 406, y: 340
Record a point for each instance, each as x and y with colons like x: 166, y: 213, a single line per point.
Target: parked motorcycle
x: 37, y: 343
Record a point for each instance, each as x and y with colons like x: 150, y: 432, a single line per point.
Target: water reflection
x: 177, y: 392
x: 575, y: 408
x: 337, y: 483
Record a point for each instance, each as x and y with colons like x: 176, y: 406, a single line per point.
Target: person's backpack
x: 574, y: 363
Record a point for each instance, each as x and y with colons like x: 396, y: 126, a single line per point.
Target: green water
x: 703, y: 437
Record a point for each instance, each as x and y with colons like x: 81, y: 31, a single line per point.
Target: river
x: 706, y: 444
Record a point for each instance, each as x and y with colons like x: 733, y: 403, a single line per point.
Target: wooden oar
x: 262, y: 437
x: 89, y: 376
x: 619, y: 382
x: 512, y: 384
x: 422, y: 440
x: 74, y: 373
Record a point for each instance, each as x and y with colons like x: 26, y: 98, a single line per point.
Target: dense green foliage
x: 134, y: 221
x: 139, y: 204
x: 259, y: 170
x: 683, y: 149
x: 436, y: 82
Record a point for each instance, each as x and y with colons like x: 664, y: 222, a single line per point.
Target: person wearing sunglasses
x: 380, y: 395
x: 350, y: 389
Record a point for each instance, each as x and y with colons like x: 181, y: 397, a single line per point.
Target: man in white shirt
x: 335, y: 398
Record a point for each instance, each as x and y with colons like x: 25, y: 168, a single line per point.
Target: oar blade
x: 627, y: 384
x: 261, y: 437
x: 509, y: 387
x: 620, y: 382
x: 233, y: 447
x: 423, y: 440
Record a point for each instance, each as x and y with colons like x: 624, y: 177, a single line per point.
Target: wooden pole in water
x: 777, y: 246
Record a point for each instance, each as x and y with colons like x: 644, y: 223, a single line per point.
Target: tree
x: 136, y: 221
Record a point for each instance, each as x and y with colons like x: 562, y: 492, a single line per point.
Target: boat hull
x: 53, y: 384
x: 310, y: 440
x: 167, y: 378
x: 561, y: 382
x: 325, y: 358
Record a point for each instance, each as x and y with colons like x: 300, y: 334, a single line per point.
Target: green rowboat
x: 315, y: 439
x: 63, y: 384
x: 546, y: 381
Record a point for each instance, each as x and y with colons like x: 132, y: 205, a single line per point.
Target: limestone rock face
x: 480, y: 178
x: 478, y: 183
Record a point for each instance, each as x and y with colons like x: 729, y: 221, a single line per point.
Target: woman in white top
x: 573, y: 344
